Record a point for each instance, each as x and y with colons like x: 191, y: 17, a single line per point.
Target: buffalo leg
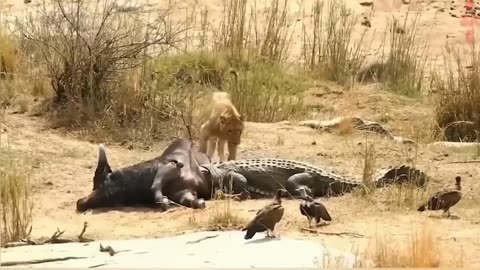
x: 160, y: 200
x: 299, y: 181
x: 186, y: 198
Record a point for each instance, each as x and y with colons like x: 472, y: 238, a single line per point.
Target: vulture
x: 444, y: 199
x: 313, y: 210
x: 267, y: 217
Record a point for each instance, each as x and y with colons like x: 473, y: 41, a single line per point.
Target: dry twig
x: 54, y: 239
x: 80, y: 237
x: 356, y: 235
x: 202, y: 239
x: 13, y: 263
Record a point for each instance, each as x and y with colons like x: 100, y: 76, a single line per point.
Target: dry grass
x: 420, y: 250
x: 406, y: 58
x: 264, y: 91
x: 16, y: 200
x: 97, y: 59
x: 8, y: 67
x: 241, y: 35
x: 369, y: 158
x: 328, y: 48
x: 405, y: 196
x: 222, y: 217
x: 136, y: 94
x: 458, y: 96
x: 267, y: 93
x: 20, y: 81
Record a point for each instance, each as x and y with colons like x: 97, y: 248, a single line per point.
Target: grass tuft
x: 223, y: 217
x: 406, y: 59
x: 16, y: 202
x: 457, y: 96
x: 420, y: 250
x: 369, y: 159
x: 328, y: 48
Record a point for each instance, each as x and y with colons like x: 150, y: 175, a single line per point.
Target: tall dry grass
x: 369, y: 160
x: 406, y: 58
x: 223, y: 216
x: 8, y: 65
x: 420, y: 249
x: 329, y: 51
x: 16, y: 201
x: 19, y: 84
x: 264, y: 91
x: 243, y: 34
x: 457, y: 95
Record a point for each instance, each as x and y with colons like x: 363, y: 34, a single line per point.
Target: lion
x: 224, y: 126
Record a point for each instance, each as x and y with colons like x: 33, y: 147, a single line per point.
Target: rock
x: 366, y: 3
x: 366, y: 23
x: 202, y: 249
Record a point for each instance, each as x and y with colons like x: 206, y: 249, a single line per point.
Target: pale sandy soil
x: 64, y: 166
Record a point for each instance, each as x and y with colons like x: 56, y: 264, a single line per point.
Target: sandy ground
x: 64, y: 166
x: 194, y: 250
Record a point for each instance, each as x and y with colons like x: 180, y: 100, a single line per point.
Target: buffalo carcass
x: 175, y: 175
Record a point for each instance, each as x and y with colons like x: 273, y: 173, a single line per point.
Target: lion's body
x: 224, y: 126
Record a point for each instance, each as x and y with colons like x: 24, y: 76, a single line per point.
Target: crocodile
x: 260, y: 178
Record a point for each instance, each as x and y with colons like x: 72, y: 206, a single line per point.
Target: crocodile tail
x: 402, y: 174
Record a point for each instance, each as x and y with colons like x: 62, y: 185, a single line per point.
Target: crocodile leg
x: 186, y: 198
x: 300, y: 181
x: 239, y: 183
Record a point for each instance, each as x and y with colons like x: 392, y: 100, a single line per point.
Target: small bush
x: 265, y: 92
x: 223, y: 216
x: 97, y: 60
x: 457, y: 96
x: 328, y: 48
x: 16, y: 202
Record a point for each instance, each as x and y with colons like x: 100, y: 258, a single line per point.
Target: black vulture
x: 444, y: 199
x: 313, y: 209
x: 267, y: 217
